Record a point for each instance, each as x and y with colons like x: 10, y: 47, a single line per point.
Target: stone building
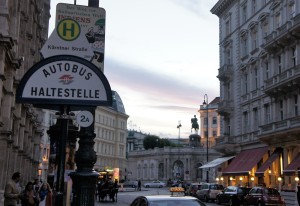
x: 182, y: 161
x: 259, y: 91
x: 210, y: 119
x: 169, y: 163
x: 110, y: 141
x: 23, y: 31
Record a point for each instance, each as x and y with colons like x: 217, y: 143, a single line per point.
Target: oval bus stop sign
x: 64, y: 80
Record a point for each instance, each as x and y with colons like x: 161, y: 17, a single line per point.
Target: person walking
x: 45, y: 195
x: 29, y: 196
x: 11, y: 191
x: 139, y: 185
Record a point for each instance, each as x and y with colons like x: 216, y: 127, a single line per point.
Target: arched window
x: 145, y: 175
x: 152, y: 170
x: 139, y: 172
x: 199, y: 173
x: 161, y: 171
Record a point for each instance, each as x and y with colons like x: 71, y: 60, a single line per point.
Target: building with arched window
x: 175, y: 163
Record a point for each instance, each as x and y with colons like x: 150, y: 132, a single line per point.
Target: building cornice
x: 221, y: 6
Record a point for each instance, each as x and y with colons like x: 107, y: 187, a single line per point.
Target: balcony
x: 225, y: 144
x: 225, y: 72
x: 283, y: 35
x: 281, y: 131
x: 283, y: 83
x: 225, y: 107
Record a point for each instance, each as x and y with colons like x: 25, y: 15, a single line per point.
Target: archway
x: 178, y: 170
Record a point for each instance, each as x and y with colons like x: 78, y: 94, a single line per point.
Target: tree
x: 151, y: 141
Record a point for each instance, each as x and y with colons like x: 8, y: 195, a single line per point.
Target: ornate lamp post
x: 178, y: 126
x: 205, y: 104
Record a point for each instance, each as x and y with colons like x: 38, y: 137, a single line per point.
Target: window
x: 292, y: 10
x: 277, y: 20
x: 214, y: 133
x: 205, y: 121
x: 228, y: 56
x: 255, y: 78
x: 281, y: 109
x: 294, y: 56
x: 265, y: 29
x: 296, y: 105
x: 245, y: 83
x: 244, y: 14
x: 214, y: 120
x: 227, y: 88
x: 279, y: 64
x: 245, y: 121
x: 266, y: 70
x: 253, y: 6
x: 227, y: 28
x: 267, y: 117
x: 244, y: 46
x: 255, y: 119
x: 254, y: 37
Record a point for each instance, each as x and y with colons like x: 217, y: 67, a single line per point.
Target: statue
x: 195, y: 124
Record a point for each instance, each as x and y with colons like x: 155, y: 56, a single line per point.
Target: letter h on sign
x: 72, y: 29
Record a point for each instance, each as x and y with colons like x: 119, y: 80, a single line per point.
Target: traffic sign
x: 64, y: 80
x: 79, y: 31
x: 84, y: 118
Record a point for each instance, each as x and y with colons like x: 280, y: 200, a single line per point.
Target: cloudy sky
x: 161, y: 56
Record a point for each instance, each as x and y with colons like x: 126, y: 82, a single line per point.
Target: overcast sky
x: 162, y: 57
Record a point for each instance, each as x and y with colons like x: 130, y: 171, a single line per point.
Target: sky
x: 162, y: 57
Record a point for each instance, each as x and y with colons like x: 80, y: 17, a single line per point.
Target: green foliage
x: 151, y: 141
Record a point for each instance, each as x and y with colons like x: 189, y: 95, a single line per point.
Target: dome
x: 117, y: 103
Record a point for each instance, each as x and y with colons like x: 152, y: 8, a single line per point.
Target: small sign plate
x: 84, y: 119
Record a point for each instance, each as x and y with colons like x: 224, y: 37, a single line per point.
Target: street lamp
x: 205, y: 104
x: 178, y: 126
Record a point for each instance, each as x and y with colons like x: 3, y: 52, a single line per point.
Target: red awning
x: 245, y: 161
x: 269, y: 161
x: 293, y: 166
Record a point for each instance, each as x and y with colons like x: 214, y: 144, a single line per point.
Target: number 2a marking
x: 83, y: 118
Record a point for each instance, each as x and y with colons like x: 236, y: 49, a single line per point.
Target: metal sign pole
x: 61, y: 156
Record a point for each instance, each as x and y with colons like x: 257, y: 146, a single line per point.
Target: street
x: 126, y: 197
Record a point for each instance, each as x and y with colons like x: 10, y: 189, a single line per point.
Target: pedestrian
x: 139, y: 185
x: 11, y: 191
x: 29, y: 196
x: 45, y: 195
x: 36, y: 185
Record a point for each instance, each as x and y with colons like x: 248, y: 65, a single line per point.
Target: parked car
x: 232, y: 195
x: 209, y: 191
x: 166, y: 200
x: 130, y: 184
x: 156, y: 183
x: 264, y: 196
x: 192, y: 189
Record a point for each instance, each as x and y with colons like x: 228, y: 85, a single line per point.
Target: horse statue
x: 195, y: 124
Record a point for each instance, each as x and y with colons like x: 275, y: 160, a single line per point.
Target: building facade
x: 175, y: 163
x: 259, y: 90
x: 210, y: 119
x: 110, y: 141
x: 23, y: 31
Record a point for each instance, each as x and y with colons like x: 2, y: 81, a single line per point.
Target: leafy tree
x: 164, y: 142
x: 151, y: 141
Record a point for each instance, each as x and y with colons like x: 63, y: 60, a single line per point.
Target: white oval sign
x: 85, y: 119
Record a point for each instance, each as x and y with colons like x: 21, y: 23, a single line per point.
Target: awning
x: 261, y: 170
x: 245, y: 161
x: 216, y: 162
x: 293, y: 166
